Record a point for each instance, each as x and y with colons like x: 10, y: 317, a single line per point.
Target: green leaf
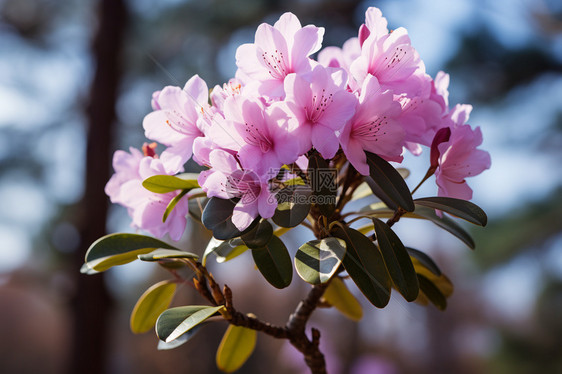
x: 259, y: 235
x: 85, y: 269
x: 119, y: 249
x: 225, y: 250
x: 323, y: 183
x: 317, y: 260
x: 339, y: 296
x: 425, y: 260
x: 274, y: 262
x: 217, y: 217
x: 235, y: 348
x: 150, y: 305
x: 163, y: 346
x: 390, y: 182
x: 365, y: 265
x: 196, y: 207
x: 397, y: 261
x: 433, y: 293
x: 175, y: 322
x: 172, y: 204
x: 294, y: 205
x: 168, y: 183
x: 445, y: 223
x: 457, y: 207
x: 163, y: 254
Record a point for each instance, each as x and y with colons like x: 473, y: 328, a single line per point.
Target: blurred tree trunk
x: 91, y: 301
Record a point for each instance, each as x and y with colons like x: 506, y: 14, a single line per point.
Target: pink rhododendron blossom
x: 322, y: 106
x: 460, y: 159
x: 227, y: 180
x: 145, y: 208
x: 373, y: 128
x: 178, y: 121
x: 392, y: 60
x: 278, y: 51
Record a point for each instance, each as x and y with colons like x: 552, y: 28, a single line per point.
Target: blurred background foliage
x: 76, y: 79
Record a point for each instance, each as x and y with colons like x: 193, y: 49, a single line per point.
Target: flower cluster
x: 373, y: 94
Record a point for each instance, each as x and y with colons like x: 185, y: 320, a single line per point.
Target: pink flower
x: 321, y: 105
x: 278, y: 51
x: 227, y: 180
x: 459, y: 159
x: 178, y: 120
x: 145, y: 208
x: 263, y: 137
x: 373, y: 128
x: 391, y: 59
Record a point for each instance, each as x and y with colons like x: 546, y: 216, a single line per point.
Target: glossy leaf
x: 258, y: 236
x: 177, y: 321
x: 457, y: 207
x: 85, y: 269
x: 378, y: 192
x: 168, y: 183
x: 172, y: 204
x: 397, y: 261
x: 425, y: 260
x: 162, y: 254
x: 119, y: 249
x: 235, y: 348
x: 432, y: 293
x: 317, y: 260
x: 217, y: 217
x: 294, y: 205
x: 339, y: 296
x: 274, y: 262
x: 323, y: 183
x: 390, y: 182
x: 365, y: 265
x: 150, y: 305
x: 163, y: 346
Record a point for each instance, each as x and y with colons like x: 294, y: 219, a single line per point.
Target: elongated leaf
x: 457, y: 207
x: 397, y: 261
x: 433, y: 293
x: 259, y: 236
x: 323, y: 183
x: 196, y: 207
x: 445, y: 223
x: 163, y: 346
x: 172, y: 204
x: 425, y: 260
x: 390, y: 181
x: 317, y: 260
x: 150, y: 305
x: 379, y: 192
x: 294, y: 205
x: 119, y: 249
x: 168, y: 183
x: 85, y: 269
x: 365, y: 265
x: 274, y: 262
x: 162, y: 254
x: 339, y: 296
x: 177, y: 321
x: 235, y: 348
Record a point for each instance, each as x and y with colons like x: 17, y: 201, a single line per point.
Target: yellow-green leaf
x: 150, y: 305
x: 339, y: 296
x: 236, y: 346
x: 119, y: 249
